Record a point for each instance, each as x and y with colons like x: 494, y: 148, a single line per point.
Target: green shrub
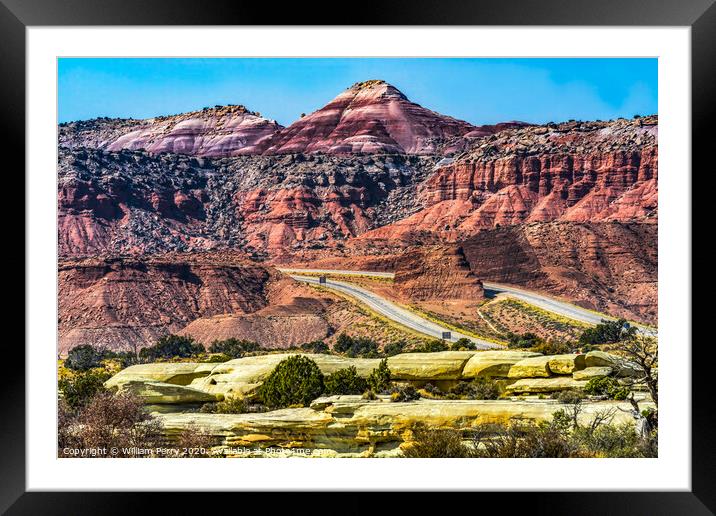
x: 555, y: 439
x: 478, y: 389
x: 228, y: 406
x: 394, y: 348
x: 297, y: 380
x: 217, y: 358
x: 615, y: 441
x: 356, y: 346
x: 606, y: 386
x: 234, y: 348
x: 526, y: 440
x: 526, y: 340
x: 553, y: 347
x: 607, y: 332
x: 84, y: 357
x: 404, y: 393
x: 345, y: 381
x: 379, y: 379
x: 81, y: 387
x: 432, y: 346
x: 172, y: 346
x: 463, y: 344
x: 317, y: 346
x: 126, y: 358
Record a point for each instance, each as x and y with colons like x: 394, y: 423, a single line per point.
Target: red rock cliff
x: 600, y: 171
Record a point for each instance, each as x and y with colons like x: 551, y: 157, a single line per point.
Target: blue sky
x: 479, y: 90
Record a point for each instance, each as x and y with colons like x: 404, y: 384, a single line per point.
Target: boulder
x: 540, y: 385
x: 166, y: 393
x: 181, y: 373
x: 442, y: 365
x: 621, y: 366
x: 533, y: 367
x: 494, y: 363
x: 592, y: 372
x: 566, y: 364
x: 600, y: 359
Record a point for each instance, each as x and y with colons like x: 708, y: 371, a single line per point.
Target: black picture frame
x: 17, y: 15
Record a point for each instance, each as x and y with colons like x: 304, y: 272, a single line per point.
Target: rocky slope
x: 97, y: 133
x: 132, y: 202
x: 126, y: 303
x: 278, y: 205
x: 217, y: 131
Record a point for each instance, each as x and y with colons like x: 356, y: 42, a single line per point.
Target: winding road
x: 394, y: 312
x: 390, y: 310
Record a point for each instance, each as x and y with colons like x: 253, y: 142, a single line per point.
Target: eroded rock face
x: 371, y: 117
x: 436, y: 272
x: 280, y: 206
x: 443, y: 365
x: 127, y: 303
x: 166, y: 393
x: 549, y: 365
x: 97, y: 133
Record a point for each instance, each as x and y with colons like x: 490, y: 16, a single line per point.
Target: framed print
x: 440, y: 248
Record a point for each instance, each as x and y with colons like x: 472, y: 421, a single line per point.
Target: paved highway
x: 545, y: 302
x: 550, y: 304
x: 375, y: 274
x: 392, y: 311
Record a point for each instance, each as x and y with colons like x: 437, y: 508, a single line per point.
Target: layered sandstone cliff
x: 595, y: 171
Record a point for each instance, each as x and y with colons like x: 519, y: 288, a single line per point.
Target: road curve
x: 562, y: 308
x: 550, y: 304
x: 393, y: 312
